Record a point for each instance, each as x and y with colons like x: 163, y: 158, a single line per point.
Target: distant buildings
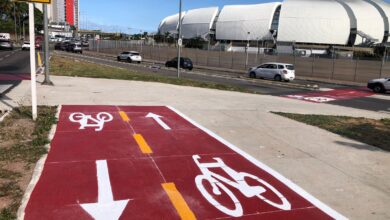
x: 63, y: 11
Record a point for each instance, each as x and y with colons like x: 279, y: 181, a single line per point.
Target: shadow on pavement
x: 361, y: 146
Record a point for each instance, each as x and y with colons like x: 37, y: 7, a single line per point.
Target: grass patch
x: 69, y: 67
x: 369, y: 131
x: 22, y: 143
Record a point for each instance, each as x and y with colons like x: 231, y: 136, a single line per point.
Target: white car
x: 276, y: 71
x: 26, y: 45
x: 130, y: 56
x: 379, y: 85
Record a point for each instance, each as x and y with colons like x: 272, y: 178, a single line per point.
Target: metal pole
x: 247, y: 52
x: 334, y: 61
x: 356, y: 66
x: 16, y: 33
x: 179, y: 42
x: 383, y: 62
x: 32, y: 61
x: 47, y: 64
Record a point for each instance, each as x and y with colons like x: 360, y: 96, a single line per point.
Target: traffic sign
x: 137, y: 162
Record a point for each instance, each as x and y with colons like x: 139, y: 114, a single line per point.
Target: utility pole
x: 16, y: 33
x: 47, y: 65
x: 179, y: 42
x: 32, y: 61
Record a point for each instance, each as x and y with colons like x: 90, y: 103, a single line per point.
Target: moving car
x: 130, y: 56
x: 379, y: 85
x: 185, y: 63
x: 6, y: 45
x: 74, y: 48
x: 276, y: 71
x: 26, y: 45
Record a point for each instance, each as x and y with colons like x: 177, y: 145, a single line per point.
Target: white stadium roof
x: 235, y: 21
x: 314, y: 21
x: 342, y: 22
x: 369, y: 20
x: 198, y: 22
x: 170, y: 24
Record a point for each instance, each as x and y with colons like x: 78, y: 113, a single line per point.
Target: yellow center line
x: 178, y: 201
x: 124, y: 116
x: 145, y: 148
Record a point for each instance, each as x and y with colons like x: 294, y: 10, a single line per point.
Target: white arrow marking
x: 106, y: 208
x: 157, y: 118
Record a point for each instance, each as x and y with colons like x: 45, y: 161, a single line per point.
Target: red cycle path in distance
x: 70, y: 175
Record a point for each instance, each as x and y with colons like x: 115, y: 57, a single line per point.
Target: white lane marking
x: 334, y: 214
x: 106, y: 208
x: 157, y: 118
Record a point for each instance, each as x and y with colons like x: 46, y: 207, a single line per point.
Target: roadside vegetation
x: 369, y: 131
x: 22, y: 143
x: 69, y: 67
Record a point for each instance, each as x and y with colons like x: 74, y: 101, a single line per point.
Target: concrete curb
x: 37, y: 172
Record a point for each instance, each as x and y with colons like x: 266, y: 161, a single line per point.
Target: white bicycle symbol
x: 218, y: 184
x: 83, y: 119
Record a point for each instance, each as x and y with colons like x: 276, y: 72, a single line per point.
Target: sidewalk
x: 349, y: 176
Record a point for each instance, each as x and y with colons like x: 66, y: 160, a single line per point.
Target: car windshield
x: 135, y: 54
x: 290, y: 67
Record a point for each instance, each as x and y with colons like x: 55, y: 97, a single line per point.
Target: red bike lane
x: 135, y: 162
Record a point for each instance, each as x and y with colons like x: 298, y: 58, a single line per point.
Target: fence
x: 353, y: 70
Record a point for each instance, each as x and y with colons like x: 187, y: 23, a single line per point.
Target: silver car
x: 130, y: 56
x: 276, y: 71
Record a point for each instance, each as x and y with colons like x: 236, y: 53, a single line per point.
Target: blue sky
x: 145, y: 15
x: 120, y: 15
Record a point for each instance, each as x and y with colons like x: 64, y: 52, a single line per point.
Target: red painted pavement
x: 69, y: 177
x: 332, y: 95
x: 19, y: 76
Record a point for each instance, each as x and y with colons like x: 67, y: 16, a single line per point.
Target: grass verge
x: 22, y: 143
x: 68, y: 67
x: 369, y: 131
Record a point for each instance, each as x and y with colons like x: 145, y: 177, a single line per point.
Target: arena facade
x: 327, y: 22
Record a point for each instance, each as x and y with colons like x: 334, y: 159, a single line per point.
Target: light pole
x: 47, y: 80
x: 247, y: 52
x: 179, y: 42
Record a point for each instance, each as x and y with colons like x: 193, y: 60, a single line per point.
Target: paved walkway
x: 349, y: 176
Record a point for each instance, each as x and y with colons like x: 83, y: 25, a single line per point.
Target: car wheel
x: 252, y: 75
x: 129, y: 60
x: 139, y: 61
x: 278, y: 78
x: 378, y: 88
x: 118, y: 58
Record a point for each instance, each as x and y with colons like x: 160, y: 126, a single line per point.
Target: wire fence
x: 332, y: 67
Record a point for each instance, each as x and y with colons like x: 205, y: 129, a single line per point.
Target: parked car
x: 6, y: 45
x: 275, y: 71
x: 130, y: 56
x: 379, y: 85
x: 74, y: 48
x: 185, y: 63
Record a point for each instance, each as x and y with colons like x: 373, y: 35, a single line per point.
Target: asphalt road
x: 14, y: 67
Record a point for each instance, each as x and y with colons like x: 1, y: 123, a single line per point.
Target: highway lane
x: 14, y: 67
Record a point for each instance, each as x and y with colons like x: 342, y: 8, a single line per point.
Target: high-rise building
x: 58, y: 11
x: 69, y: 11
x: 76, y: 14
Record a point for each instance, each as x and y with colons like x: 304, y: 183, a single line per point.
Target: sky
x: 134, y: 16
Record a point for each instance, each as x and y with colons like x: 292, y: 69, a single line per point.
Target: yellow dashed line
x: 142, y: 144
x: 178, y: 201
x: 124, y: 116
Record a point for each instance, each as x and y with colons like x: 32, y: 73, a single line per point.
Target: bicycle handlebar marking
x: 98, y: 122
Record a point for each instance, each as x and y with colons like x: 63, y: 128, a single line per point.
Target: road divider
x: 143, y: 145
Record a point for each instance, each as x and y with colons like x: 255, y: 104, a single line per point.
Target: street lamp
x: 179, y: 42
x: 247, y: 53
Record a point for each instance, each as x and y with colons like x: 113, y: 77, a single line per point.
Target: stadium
x: 349, y: 23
